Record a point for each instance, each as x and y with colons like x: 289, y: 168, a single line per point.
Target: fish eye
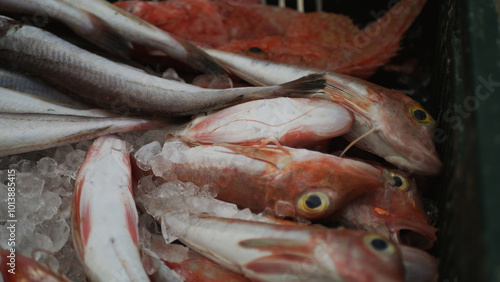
x: 255, y: 50
x: 314, y: 202
x: 379, y: 244
x: 399, y: 181
x: 420, y: 115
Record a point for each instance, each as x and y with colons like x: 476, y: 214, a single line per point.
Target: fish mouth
x: 417, y: 236
x: 418, y: 161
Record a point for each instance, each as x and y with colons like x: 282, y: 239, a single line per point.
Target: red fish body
x: 285, y: 182
x: 317, y: 40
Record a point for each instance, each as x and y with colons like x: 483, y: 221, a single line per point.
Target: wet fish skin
x: 23, y: 133
x: 121, y: 88
x: 23, y: 83
x: 279, y: 181
x: 292, y: 122
x: 398, y: 136
x: 271, y: 252
x: 114, y: 29
x: 104, y: 216
x: 12, y: 101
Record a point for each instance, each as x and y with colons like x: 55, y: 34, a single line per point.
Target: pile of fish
x: 238, y: 183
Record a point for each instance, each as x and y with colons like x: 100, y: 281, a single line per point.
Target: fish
x: 280, y: 181
x: 272, y: 252
x: 387, y: 123
x: 23, y: 268
x: 23, y: 132
x: 293, y: 122
x: 395, y: 210
x: 12, y: 101
x: 114, y: 30
x: 104, y: 216
x: 120, y: 88
x: 16, y: 81
x: 332, y: 42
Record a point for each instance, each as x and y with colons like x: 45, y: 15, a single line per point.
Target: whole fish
x: 284, y: 182
x: 114, y: 29
x: 17, y: 267
x: 12, y: 101
x: 23, y: 132
x: 332, y: 42
x: 394, y: 210
x: 104, y: 217
x: 293, y: 122
x: 386, y: 122
x: 119, y: 87
x: 271, y: 252
x: 22, y: 83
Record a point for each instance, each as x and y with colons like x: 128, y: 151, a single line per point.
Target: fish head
x: 408, y: 128
x: 323, y: 184
x: 364, y: 256
x: 395, y: 210
x: 324, y: 255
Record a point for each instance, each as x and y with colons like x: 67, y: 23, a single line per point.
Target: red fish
x: 285, y: 182
x: 394, y: 210
x: 332, y: 42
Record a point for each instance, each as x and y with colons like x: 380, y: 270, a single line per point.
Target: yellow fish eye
x: 379, y: 244
x: 400, y: 181
x: 420, y: 115
x: 315, y: 202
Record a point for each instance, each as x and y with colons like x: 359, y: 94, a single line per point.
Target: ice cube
x: 29, y: 185
x: 69, y: 264
x: 73, y: 161
x: 244, y: 214
x: 145, y: 153
x: 168, y: 252
x: 23, y: 165
x: 62, y: 152
x: 146, y: 184
x: 47, y: 166
x: 174, y: 225
x: 49, y: 209
x: 58, y: 231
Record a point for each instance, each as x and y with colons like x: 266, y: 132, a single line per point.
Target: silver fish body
x: 121, y: 88
x: 31, y: 132
x: 12, y: 101
x: 113, y: 29
x: 22, y: 83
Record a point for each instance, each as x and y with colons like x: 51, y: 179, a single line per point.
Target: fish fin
x: 280, y: 264
x: 307, y: 85
x: 200, y: 60
x: 104, y: 36
x: 271, y: 155
x: 356, y: 141
x: 349, y: 97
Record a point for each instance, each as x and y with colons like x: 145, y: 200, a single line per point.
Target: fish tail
x: 382, y: 38
x: 305, y: 86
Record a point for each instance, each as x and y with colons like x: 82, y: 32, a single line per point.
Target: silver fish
x: 23, y: 133
x: 22, y: 83
x: 386, y: 122
x: 113, y: 29
x: 12, y: 101
x: 122, y: 88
